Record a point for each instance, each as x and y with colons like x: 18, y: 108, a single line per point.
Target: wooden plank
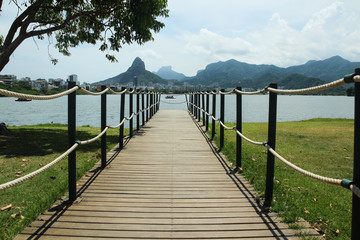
x: 165, y: 184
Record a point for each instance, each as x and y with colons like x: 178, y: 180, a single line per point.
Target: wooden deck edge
x: 305, y: 229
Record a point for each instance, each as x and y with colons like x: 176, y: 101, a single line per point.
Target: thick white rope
x: 173, y: 102
x: 37, y: 97
x: 355, y: 190
x: 47, y: 166
x: 95, y: 138
x: 302, y: 171
x: 262, y: 91
x: 227, y: 93
x: 334, y: 84
x: 94, y: 93
x: 118, y: 93
x: 247, y: 139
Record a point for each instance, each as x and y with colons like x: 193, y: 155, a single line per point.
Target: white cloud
x: 201, y: 32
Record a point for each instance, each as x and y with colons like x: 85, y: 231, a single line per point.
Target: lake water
x: 255, y: 109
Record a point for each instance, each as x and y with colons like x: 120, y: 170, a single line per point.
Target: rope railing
x: 333, y: 84
x: 71, y: 91
x: 40, y: 170
x: 36, y: 97
x: 197, y: 109
x: 94, y: 93
x: 333, y: 181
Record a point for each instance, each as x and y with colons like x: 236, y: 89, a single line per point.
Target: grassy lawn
x: 322, y: 146
x: 27, y: 148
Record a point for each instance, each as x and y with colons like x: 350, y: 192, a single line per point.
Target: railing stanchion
x: 203, y: 107
x: 122, y: 115
x: 192, y: 104
x: 131, y: 104
x: 222, y: 118
x: 138, y: 110
x: 195, y: 105
x: 238, y: 127
x: 207, y: 110
x: 214, y: 114
x: 199, y: 105
x: 72, y: 139
x: 355, y: 230
x: 143, y: 107
x: 147, y: 106
x: 271, y: 143
x: 151, y: 103
x: 103, y: 126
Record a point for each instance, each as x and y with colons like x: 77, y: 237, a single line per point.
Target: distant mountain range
x: 137, y: 69
x: 169, y: 74
x: 233, y: 73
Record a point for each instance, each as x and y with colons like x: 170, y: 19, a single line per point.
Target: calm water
x: 255, y: 109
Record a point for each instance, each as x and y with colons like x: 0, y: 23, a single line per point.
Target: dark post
x: 138, y: 110
x: 222, y: 118
x: 199, y: 106
x: 131, y: 121
x: 122, y: 114
x: 195, y: 105
x: 143, y: 107
x: 103, y: 126
x: 147, y: 106
x: 203, y: 107
x: 239, y: 128
x: 271, y: 143
x: 151, y: 103
x: 71, y: 137
x: 207, y: 110
x: 355, y: 230
x: 214, y: 114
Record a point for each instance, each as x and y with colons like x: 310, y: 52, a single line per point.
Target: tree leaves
x: 74, y: 22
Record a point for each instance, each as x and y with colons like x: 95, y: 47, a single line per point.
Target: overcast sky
x: 199, y: 32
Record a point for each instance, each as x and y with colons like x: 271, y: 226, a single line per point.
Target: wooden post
x: 103, y: 126
x: 355, y: 229
x: 147, y: 106
x: 131, y: 121
x: 143, y: 107
x: 214, y: 114
x: 207, y: 110
x: 199, y: 106
x: 271, y: 142
x: 71, y: 141
x: 138, y: 110
x: 239, y: 128
x: 122, y: 116
x: 203, y: 107
x: 222, y: 118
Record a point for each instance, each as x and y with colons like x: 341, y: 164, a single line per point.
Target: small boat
x: 170, y: 97
x: 23, y: 100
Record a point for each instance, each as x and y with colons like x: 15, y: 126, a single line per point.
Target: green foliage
x: 322, y: 146
x: 113, y: 23
x: 28, y: 148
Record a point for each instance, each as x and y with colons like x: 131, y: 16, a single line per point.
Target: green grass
x: 322, y: 146
x: 28, y: 148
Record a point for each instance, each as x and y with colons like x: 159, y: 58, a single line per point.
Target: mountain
x: 168, y: 73
x: 136, y: 69
x: 233, y: 73
x: 328, y: 70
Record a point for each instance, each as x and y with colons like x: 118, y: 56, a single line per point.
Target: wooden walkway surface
x: 166, y: 184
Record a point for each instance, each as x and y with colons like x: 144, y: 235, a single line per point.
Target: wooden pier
x: 167, y: 183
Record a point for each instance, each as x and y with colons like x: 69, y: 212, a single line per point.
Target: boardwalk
x: 166, y: 184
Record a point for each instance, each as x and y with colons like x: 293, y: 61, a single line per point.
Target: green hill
x: 138, y: 70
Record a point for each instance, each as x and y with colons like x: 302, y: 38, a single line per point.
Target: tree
x: 111, y: 22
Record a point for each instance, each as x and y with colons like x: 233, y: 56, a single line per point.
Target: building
x: 8, y: 79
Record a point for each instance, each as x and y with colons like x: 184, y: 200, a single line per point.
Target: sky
x: 200, y: 32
